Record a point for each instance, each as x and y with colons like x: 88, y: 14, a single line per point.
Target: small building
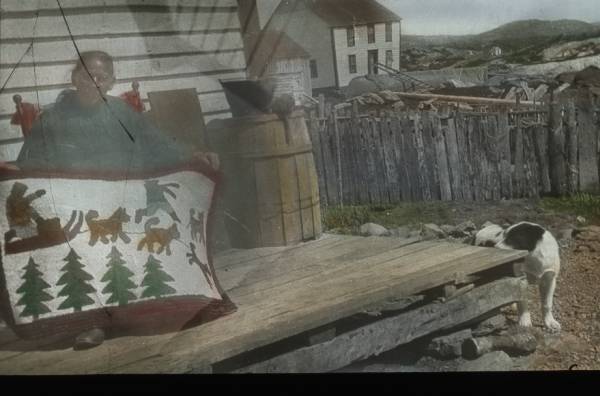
x: 283, y: 61
x: 345, y: 38
x: 495, y: 51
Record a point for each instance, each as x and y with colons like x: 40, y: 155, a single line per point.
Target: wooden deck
x: 280, y: 292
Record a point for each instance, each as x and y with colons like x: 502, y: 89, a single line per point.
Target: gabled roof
x: 274, y: 45
x: 339, y: 13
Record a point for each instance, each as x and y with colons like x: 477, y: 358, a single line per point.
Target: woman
x: 87, y: 130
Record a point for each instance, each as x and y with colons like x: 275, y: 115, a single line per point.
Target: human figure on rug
x: 22, y: 217
x: 86, y: 130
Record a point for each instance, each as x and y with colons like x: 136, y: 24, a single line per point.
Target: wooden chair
x: 178, y: 113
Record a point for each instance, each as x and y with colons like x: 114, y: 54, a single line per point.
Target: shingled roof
x: 339, y: 13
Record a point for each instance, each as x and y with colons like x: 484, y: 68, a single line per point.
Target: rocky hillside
x: 521, y: 42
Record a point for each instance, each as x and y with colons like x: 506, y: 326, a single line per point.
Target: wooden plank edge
x: 388, y: 333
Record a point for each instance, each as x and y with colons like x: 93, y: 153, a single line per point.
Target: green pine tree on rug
x: 76, y: 287
x: 118, y: 278
x: 155, y: 279
x: 33, y: 292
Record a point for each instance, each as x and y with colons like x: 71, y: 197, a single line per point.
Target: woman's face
x: 90, y: 91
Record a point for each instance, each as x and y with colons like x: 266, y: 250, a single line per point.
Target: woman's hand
x: 211, y: 159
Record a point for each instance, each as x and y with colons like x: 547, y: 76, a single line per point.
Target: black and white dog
x: 541, y: 266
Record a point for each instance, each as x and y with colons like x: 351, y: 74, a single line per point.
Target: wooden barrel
x: 271, y: 190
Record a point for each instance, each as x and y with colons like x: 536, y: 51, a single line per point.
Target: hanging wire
x: 29, y: 48
x: 37, y: 95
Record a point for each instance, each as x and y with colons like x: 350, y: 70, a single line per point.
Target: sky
x: 432, y: 17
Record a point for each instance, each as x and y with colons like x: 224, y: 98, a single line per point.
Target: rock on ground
x: 493, y: 361
x: 432, y: 231
x: 372, y: 229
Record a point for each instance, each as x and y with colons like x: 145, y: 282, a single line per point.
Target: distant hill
x: 514, y: 35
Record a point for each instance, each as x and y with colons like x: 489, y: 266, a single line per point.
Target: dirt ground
x: 577, y: 296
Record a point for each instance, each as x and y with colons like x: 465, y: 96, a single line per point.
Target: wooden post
x: 336, y: 130
x: 572, y: 148
x: 556, y: 149
x: 588, y: 144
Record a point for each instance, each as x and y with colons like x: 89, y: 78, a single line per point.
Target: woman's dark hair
x: 89, y: 55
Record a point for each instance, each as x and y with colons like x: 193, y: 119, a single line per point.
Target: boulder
x: 432, y: 231
x: 466, y: 227
x: 493, y: 361
x: 448, y: 229
x: 372, y: 229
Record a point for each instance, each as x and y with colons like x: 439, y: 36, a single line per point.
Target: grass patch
x: 580, y: 204
x: 348, y: 219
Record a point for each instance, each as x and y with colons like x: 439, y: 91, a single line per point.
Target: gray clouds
x: 475, y: 16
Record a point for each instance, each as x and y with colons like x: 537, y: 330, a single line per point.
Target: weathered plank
x: 556, y: 144
x: 367, y: 134
x: 390, y: 162
x: 427, y: 120
x: 362, y: 157
x: 443, y: 172
x: 425, y: 179
x: 26, y: 78
x: 519, y: 175
x: 68, y: 5
x: 397, y: 145
x: 455, y: 164
x: 411, y: 159
x: 314, y: 128
x: 124, y: 22
x: 572, y: 148
x: 388, y: 333
x: 540, y: 138
x: 329, y: 164
x: 532, y: 180
x: 505, y: 157
x: 475, y: 153
x: 462, y: 142
x: 588, y: 145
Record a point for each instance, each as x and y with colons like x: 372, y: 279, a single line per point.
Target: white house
x: 495, y: 51
x: 163, y: 44
x: 345, y: 38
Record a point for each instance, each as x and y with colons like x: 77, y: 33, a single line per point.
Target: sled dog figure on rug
x: 541, y: 266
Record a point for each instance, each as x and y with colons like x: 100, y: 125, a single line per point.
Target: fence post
x: 556, y: 148
x: 336, y: 130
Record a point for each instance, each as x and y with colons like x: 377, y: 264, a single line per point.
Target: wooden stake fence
x: 421, y: 156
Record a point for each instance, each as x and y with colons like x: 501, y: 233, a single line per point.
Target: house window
x: 352, y: 64
x: 389, y: 58
x: 388, y: 32
x: 371, y: 33
x: 313, y: 69
x: 350, y: 36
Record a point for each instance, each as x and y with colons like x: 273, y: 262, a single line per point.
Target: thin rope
x: 29, y: 48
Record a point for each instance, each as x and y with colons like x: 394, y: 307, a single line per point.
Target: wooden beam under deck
x: 280, y: 292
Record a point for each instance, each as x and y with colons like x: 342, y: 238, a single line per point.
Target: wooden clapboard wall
x: 164, y: 44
